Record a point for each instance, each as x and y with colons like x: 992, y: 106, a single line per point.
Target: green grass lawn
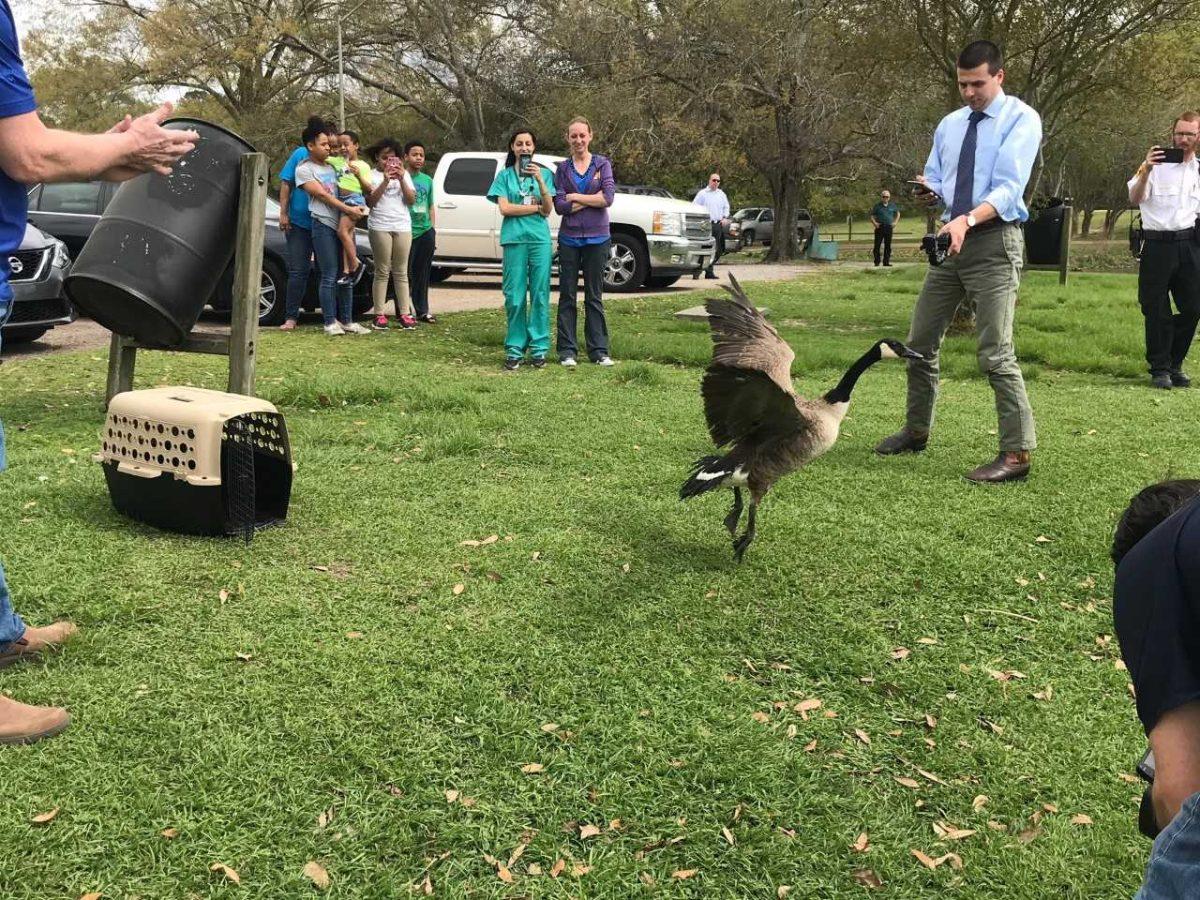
x: 329, y: 693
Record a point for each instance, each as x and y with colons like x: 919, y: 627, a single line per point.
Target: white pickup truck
x: 655, y: 240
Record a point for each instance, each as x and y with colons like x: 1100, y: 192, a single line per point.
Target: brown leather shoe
x: 24, y: 724
x: 1010, y: 465
x: 903, y: 441
x: 36, y: 641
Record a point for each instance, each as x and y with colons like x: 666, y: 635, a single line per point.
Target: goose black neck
x: 841, y: 393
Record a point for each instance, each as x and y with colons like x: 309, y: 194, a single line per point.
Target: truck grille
x: 27, y: 265
x: 697, y: 226
x: 46, y: 310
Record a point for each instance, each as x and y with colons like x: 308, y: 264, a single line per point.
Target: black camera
x: 1147, y: 823
x: 936, y: 247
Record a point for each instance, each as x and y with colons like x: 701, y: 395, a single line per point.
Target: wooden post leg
x: 121, y: 360
x: 1064, y: 261
x: 247, y: 274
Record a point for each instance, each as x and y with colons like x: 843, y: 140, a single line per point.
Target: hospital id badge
x: 528, y: 200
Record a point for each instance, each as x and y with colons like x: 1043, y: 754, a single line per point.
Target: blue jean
x: 299, y: 264
x: 1174, y: 868
x: 11, y: 626
x: 328, y: 250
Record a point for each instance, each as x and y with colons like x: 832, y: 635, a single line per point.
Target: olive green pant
x: 988, y: 270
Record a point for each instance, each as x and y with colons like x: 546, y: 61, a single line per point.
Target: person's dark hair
x: 977, y: 53
x: 353, y: 135
x: 409, y: 146
x: 1149, y: 508
x: 511, y: 158
x: 387, y: 143
x: 316, y: 126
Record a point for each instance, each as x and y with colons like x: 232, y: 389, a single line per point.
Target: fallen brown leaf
x: 761, y: 717
x: 1081, y: 819
x: 979, y: 802
x: 862, y: 736
x: 867, y: 878
x: 45, y: 818
x: 907, y: 782
x: 683, y: 874
x: 927, y: 641
x: 588, y: 831
x: 1042, y: 539
x: 452, y: 796
x: 316, y: 873
x: 1029, y: 835
x: 557, y: 868
x: 94, y: 895
x: 533, y: 768
x: 728, y: 835
x: 782, y: 891
x: 792, y: 731
x: 927, y: 861
x: 901, y: 653
x: 170, y: 833
x: 326, y: 817
x: 810, y: 746
x: 459, y: 588
x: 580, y: 869
x: 862, y: 844
x: 504, y: 875
x: 229, y: 873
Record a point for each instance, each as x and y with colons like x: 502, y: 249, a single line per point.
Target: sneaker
x: 380, y: 323
x: 605, y: 361
x: 345, y: 278
x: 539, y: 362
x: 569, y: 362
x: 428, y: 319
x: 355, y: 328
x: 1180, y: 379
x: 334, y: 328
x: 512, y: 364
x: 289, y: 325
x: 408, y: 322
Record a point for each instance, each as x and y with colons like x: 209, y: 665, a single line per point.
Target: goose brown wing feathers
x: 743, y: 339
x: 740, y: 402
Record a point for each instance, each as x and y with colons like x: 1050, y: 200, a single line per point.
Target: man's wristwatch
x: 970, y: 220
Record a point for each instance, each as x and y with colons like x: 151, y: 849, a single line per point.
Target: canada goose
x: 749, y: 402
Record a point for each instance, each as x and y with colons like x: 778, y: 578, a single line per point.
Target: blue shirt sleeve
x: 1014, y: 164
x: 933, y: 165
x: 288, y: 173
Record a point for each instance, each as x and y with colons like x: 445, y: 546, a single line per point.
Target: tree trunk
x: 1085, y: 227
x: 785, y: 194
x: 1110, y: 222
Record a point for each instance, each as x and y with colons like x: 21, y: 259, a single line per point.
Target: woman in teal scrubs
x: 525, y: 203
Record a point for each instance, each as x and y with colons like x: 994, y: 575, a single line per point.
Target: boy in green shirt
x: 424, y: 238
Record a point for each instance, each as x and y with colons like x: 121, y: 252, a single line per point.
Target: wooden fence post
x: 247, y: 274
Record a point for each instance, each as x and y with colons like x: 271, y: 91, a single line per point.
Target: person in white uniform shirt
x: 713, y: 199
x: 1168, y: 196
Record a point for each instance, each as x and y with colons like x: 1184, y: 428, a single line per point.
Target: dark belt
x: 1168, y: 236
x: 989, y: 225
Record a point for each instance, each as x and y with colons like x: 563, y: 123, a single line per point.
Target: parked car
x: 70, y: 210
x: 757, y: 224
x: 644, y: 190
x: 655, y: 240
x: 36, y: 272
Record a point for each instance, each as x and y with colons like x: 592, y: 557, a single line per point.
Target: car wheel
x: 746, y: 240
x: 24, y: 335
x: 272, y: 296
x: 628, y: 264
x: 661, y: 281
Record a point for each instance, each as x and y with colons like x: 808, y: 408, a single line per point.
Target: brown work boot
x: 903, y: 441
x: 36, y: 641
x: 24, y: 724
x: 1010, y: 465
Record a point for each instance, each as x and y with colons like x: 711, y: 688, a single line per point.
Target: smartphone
x: 1145, y: 767
x: 1171, y: 154
x: 523, y: 161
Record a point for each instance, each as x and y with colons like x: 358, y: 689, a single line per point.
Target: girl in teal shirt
x: 525, y: 203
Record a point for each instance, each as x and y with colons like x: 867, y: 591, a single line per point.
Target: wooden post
x: 1064, y: 253
x: 849, y: 229
x: 247, y: 274
x: 121, y: 359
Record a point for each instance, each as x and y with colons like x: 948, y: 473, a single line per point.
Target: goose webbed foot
x: 740, y: 545
x: 735, y: 514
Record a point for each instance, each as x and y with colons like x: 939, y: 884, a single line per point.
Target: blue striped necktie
x: 964, y: 180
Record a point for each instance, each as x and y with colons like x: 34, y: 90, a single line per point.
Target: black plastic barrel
x: 157, y: 253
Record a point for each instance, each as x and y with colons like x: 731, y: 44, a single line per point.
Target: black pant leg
x: 1185, y: 288
x: 568, y: 287
x: 595, y: 327
x: 1154, y: 281
x: 420, y: 266
x: 878, y: 244
x: 887, y: 244
x: 718, y: 233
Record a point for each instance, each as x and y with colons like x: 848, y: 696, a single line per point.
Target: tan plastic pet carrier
x: 197, y: 461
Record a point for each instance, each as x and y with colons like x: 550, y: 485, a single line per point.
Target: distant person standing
x: 1168, y: 197
x: 713, y: 199
x: 295, y: 221
x: 424, y: 231
x: 389, y: 227
x: 584, y: 188
x: 525, y: 202
x: 884, y: 216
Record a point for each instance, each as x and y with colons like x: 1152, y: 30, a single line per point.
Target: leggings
x: 391, y: 259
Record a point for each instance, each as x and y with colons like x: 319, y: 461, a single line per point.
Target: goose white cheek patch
x: 887, y: 352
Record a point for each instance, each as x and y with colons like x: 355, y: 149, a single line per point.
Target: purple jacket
x: 591, y: 221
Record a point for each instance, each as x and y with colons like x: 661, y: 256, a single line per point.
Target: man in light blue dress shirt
x: 982, y: 157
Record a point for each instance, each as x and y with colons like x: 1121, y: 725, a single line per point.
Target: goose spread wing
x: 739, y: 402
x: 743, y: 339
